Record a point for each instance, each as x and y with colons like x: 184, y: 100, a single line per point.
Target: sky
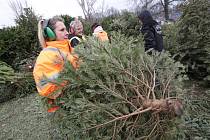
x: 50, y: 8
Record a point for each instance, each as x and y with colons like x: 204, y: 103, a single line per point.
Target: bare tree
x: 166, y: 4
x: 17, y: 7
x: 101, y: 10
x: 112, y: 12
x: 154, y: 5
x: 142, y: 4
x: 25, y: 15
x: 87, y: 8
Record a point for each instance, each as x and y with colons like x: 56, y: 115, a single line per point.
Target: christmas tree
x: 194, y: 38
x: 121, y: 92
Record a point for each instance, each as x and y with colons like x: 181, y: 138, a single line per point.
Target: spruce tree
x: 14, y: 84
x: 120, y: 92
x: 7, y: 73
x: 194, y: 38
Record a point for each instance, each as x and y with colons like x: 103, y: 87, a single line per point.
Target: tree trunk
x: 166, y: 9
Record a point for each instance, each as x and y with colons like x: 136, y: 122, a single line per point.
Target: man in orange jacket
x: 53, y: 38
x: 99, y: 32
x: 76, y: 35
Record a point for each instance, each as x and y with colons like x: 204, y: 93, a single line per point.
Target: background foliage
x: 194, y: 39
x: 20, y: 42
x: 18, y: 49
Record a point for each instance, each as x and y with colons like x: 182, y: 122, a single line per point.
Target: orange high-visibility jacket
x: 102, y: 36
x: 49, y: 64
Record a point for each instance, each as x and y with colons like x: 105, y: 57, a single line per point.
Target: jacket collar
x: 61, y: 45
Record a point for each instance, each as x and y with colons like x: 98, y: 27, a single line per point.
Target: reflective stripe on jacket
x: 76, y: 39
x: 49, y: 64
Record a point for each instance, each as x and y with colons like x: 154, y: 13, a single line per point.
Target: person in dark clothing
x: 152, y: 32
x: 76, y: 33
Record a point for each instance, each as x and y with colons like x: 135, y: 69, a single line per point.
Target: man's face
x: 79, y: 29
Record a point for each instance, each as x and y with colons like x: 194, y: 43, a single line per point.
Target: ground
x: 30, y: 124
x: 27, y: 119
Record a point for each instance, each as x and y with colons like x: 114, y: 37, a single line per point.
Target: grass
x: 27, y: 119
x: 24, y: 118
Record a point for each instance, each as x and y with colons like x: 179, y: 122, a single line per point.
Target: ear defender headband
x: 47, y: 31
